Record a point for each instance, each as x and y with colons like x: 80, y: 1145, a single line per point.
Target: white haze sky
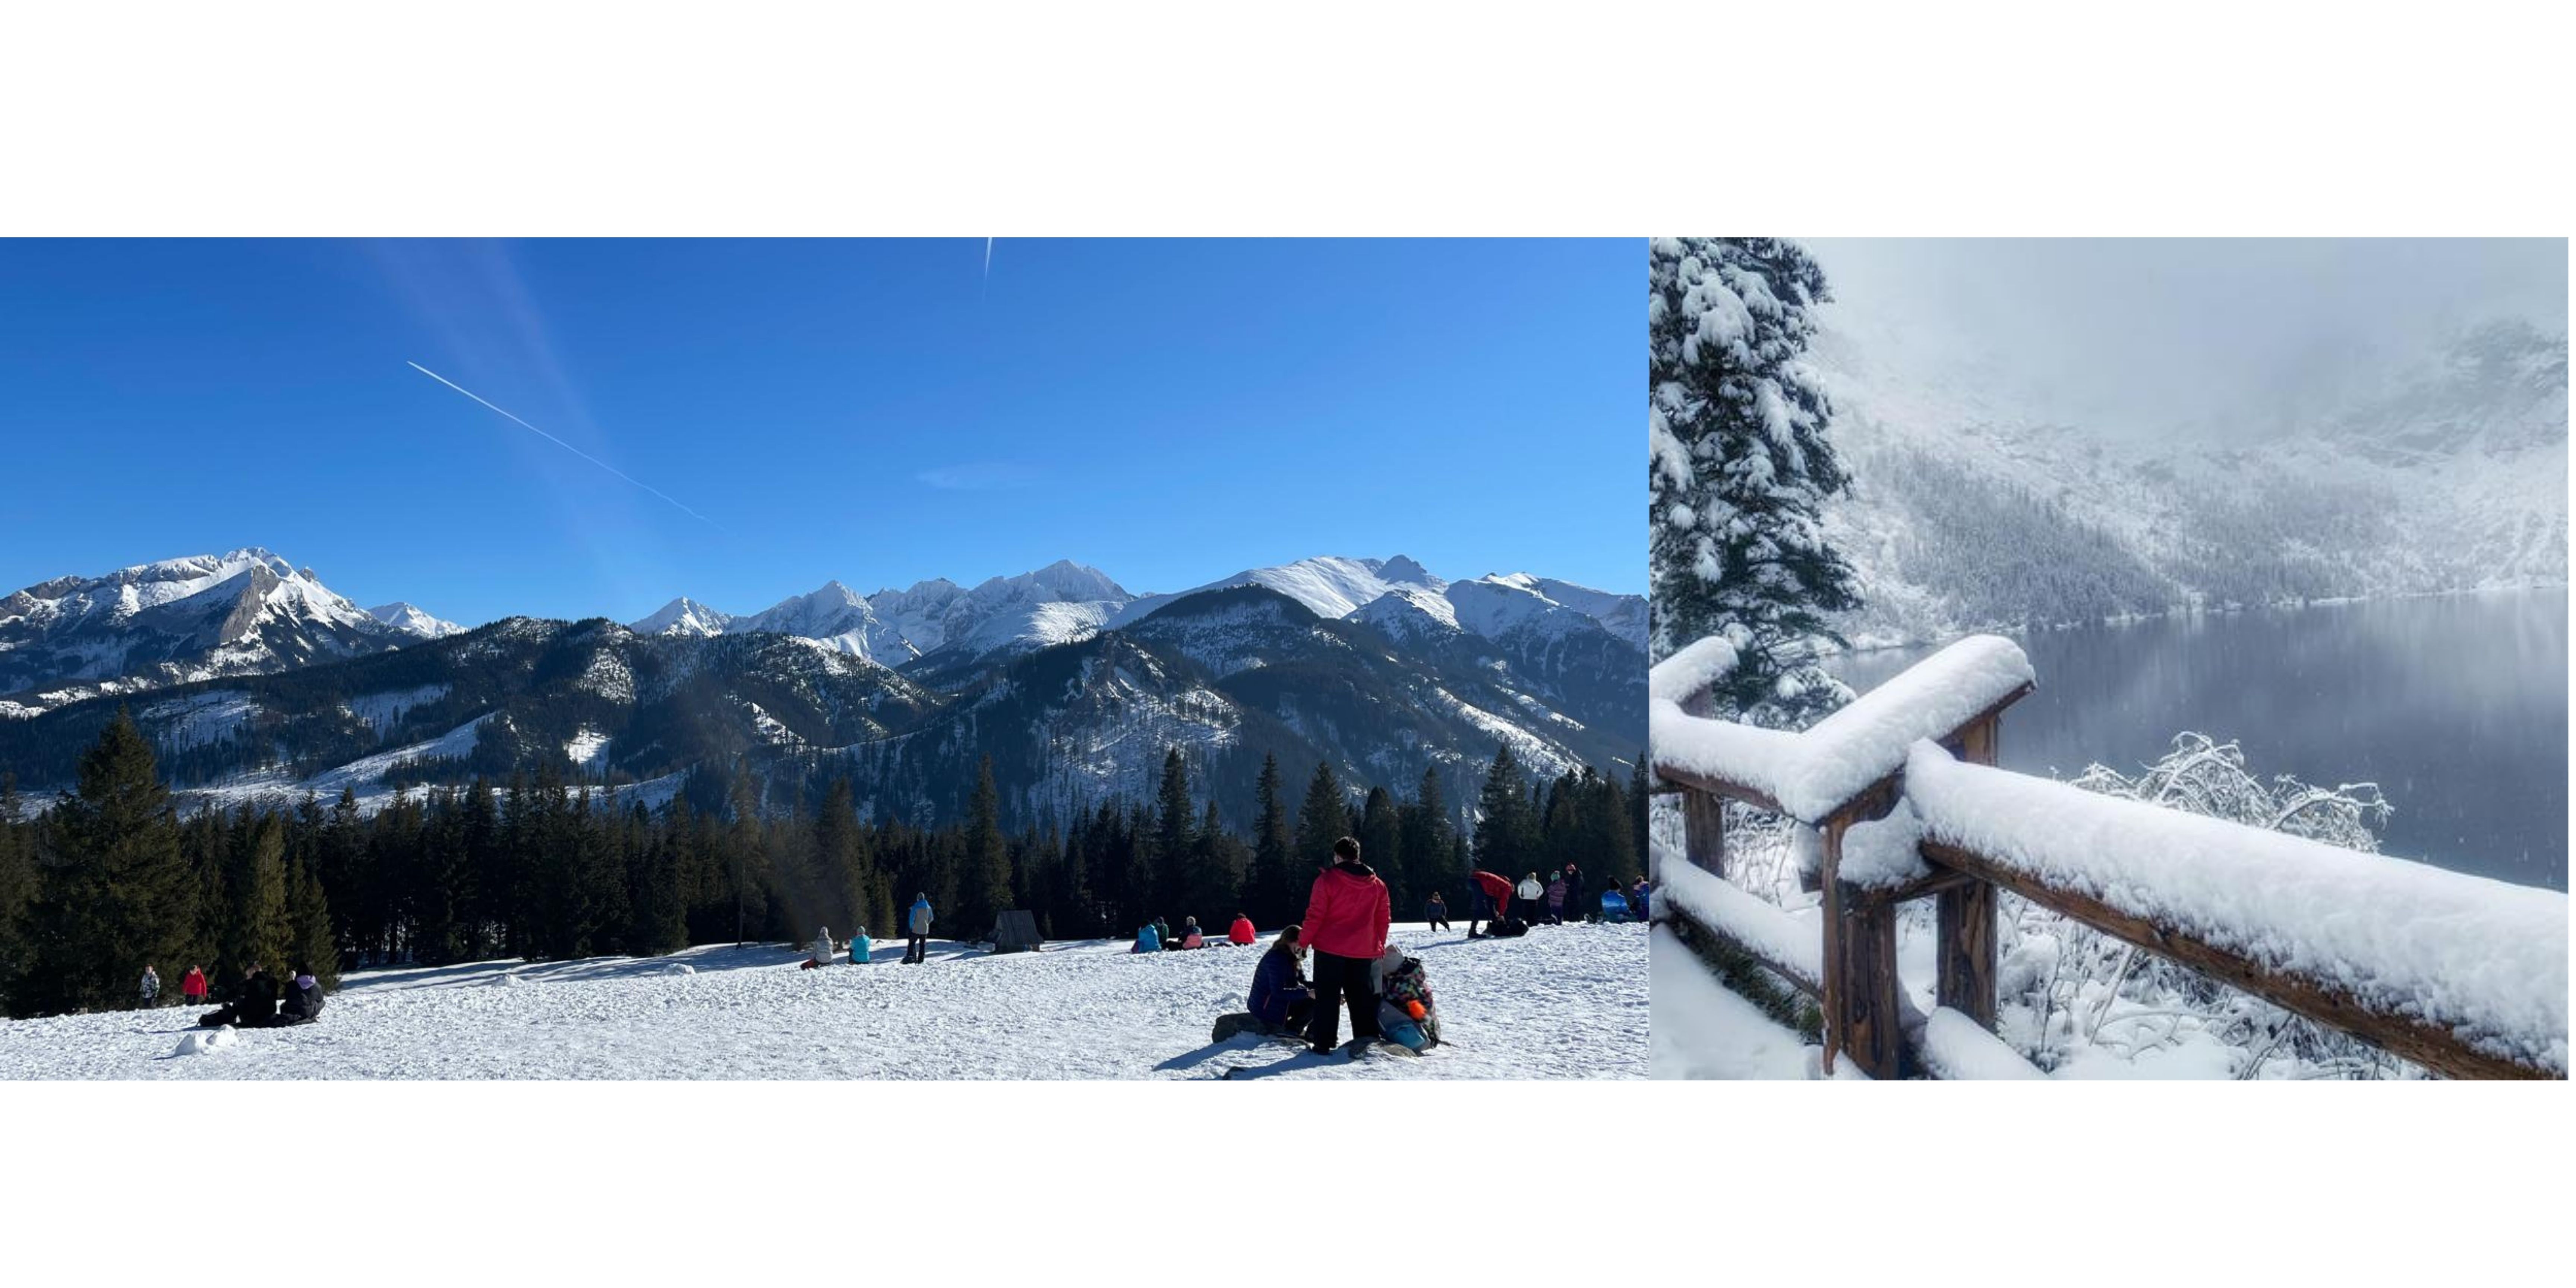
x: 2213, y: 336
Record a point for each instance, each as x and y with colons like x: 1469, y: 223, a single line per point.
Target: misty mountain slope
x: 1966, y: 513
x: 156, y: 624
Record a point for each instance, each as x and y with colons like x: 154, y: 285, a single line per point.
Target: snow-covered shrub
x: 2072, y: 996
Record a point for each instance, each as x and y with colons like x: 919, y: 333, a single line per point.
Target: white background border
x: 996, y: 119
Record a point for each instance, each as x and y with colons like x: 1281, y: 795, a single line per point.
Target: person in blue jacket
x: 860, y: 946
x: 1614, y: 905
x: 1281, y: 997
x: 1146, y: 940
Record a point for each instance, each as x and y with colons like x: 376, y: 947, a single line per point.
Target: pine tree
x: 1270, y: 885
x: 17, y: 887
x: 1380, y: 846
x: 309, y: 928
x: 1503, y: 826
x: 118, y: 894
x: 988, y: 860
x: 256, y: 925
x: 1738, y: 469
x: 1322, y: 820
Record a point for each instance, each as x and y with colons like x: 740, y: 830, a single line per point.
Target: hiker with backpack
x: 1345, y: 928
x: 1435, y: 912
x: 822, y: 954
x: 917, y: 949
x: 1493, y: 898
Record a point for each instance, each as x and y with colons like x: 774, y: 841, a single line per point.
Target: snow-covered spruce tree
x: 1738, y: 467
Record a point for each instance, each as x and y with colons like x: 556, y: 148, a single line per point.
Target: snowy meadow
x: 1563, y: 1002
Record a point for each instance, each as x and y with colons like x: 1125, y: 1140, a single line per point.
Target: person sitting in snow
x: 151, y: 986
x: 1406, y: 1012
x: 1641, y: 899
x: 1147, y: 941
x: 1190, y: 936
x: 1435, y: 912
x: 256, y: 1008
x: 1162, y: 932
x: 822, y: 954
x: 1240, y: 933
x: 1281, y: 997
x: 1614, y: 905
x: 861, y: 946
x: 303, y: 1000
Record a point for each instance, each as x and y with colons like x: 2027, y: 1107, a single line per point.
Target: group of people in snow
x: 1155, y: 936
x: 263, y: 1002
x: 192, y: 987
x: 916, y: 948
x: 1508, y: 908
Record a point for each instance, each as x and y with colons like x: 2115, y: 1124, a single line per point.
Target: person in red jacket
x: 192, y: 987
x: 1346, y: 920
x: 1241, y: 931
x: 1494, y: 891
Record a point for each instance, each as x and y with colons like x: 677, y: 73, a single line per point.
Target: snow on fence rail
x: 2463, y: 975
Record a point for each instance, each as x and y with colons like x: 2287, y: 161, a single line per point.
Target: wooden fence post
x: 1964, y: 942
x: 1862, y: 1018
x: 1704, y: 830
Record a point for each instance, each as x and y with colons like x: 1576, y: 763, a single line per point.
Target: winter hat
x: 304, y: 981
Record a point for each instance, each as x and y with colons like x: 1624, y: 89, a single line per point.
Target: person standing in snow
x: 151, y: 986
x: 1493, y: 892
x: 1556, y: 900
x: 1574, y: 887
x: 1345, y: 927
x: 917, y: 949
x: 1435, y: 912
x: 822, y: 955
x: 192, y: 987
x: 1531, y: 892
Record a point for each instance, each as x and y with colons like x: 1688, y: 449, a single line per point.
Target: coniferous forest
x: 112, y: 877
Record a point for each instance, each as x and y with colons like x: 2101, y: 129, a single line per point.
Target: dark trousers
x: 917, y: 949
x: 1436, y: 921
x: 1340, y: 979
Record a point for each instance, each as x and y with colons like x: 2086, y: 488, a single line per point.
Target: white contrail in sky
x: 566, y: 446
x: 988, y: 259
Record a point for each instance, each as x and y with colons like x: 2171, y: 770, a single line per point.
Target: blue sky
x: 879, y: 412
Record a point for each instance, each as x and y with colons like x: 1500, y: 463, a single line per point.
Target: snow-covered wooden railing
x: 2463, y: 975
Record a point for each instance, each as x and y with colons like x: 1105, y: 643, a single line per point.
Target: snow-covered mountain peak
x: 682, y: 616
x: 1409, y: 613
x: 410, y: 620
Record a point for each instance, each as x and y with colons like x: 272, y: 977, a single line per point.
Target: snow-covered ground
x: 1562, y: 1002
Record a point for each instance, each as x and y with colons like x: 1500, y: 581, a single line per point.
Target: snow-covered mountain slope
x: 1330, y: 585
x: 411, y: 620
x: 1060, y: 602
x: 682, y: 616
x: 242, y: 613
x: 1562, y: 1002
x: 1027, y: 670
x: 1968, y: 512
